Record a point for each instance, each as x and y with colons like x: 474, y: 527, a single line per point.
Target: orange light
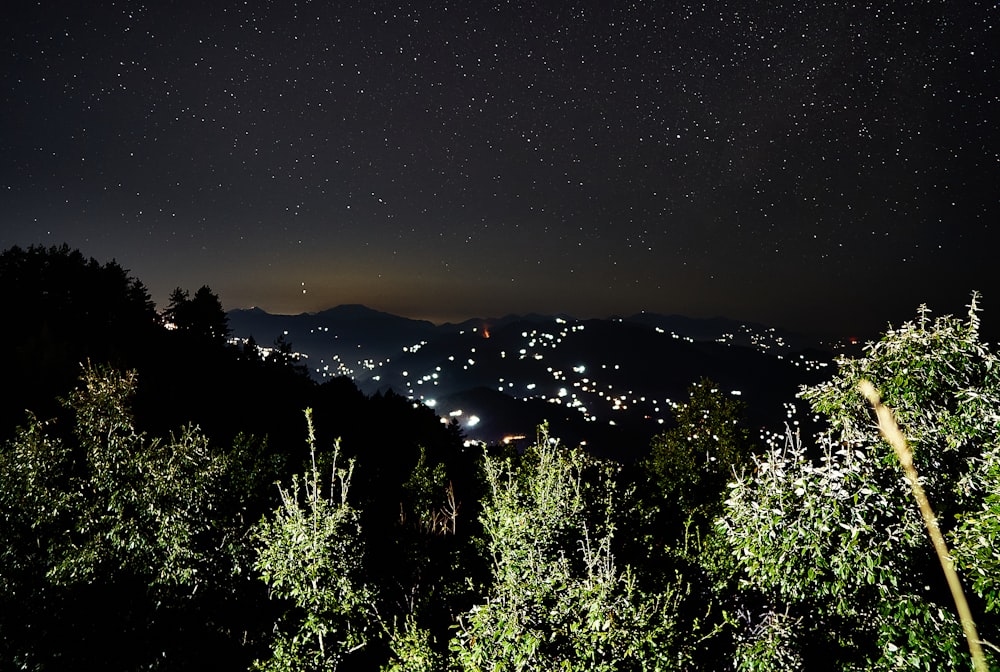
x: 486, y: 331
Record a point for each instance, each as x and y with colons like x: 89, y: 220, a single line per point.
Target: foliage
x: 974, y: 541
x: 683, y: 479
x: 436, y: 570
x: 412, y: 650
x: 682, y: 486
x: 309, y: 554
x: 137, y: 486
x: 558, y: 600
x: 107, y: 506
x: 691, y: 463
x: 833, y: 532
x: 122, y: 500
x: 429, y: 498
x: 58, y: 285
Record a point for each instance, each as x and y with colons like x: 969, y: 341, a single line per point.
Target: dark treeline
x: 168, y: 502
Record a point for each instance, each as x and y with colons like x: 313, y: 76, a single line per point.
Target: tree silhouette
x: 201, y: 315
x: 60, y: 309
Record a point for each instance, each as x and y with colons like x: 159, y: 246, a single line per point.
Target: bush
x: 832, y: 533
x: 310, y: 554
x: 108, y: 534
x: 558, y: 601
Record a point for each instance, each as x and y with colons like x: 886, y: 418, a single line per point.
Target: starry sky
x: 821, y: 166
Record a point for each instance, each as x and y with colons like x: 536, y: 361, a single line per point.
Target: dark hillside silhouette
x: 59, y: 309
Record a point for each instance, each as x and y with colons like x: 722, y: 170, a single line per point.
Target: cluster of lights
x: 468, y: 421
x: 768, y: 340
x: 575, y: 388
x: 263, y: 351
x: 809, y: 364
x: 675, y: 336
x: 413, y: 349
x: 339, y: 368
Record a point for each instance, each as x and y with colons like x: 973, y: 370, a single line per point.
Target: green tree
x: 689, y: 464
x: 682, y: 487
x: 832, y: 533
x: 974, y: 542
x: 412, y: 649
x: 106, y: 508
x: 429, y: 499
x: 135, y: 485
x: 310, y: 554
x: 558, y: 601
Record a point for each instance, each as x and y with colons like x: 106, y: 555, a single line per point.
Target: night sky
x: 791, y: 163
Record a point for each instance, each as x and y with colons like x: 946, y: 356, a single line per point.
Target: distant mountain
x: 345, y: 340
x: 497, y: 322
x: 606, y: 382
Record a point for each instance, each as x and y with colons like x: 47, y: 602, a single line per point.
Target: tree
x: 832, y: 533
x: 437, y: 568
x: 59, y: 309
x: 974, y: 541
x: 689, y: 465
x: 309, y: 553
x: 558, y: 600
x: 201, y: 315
x: 107, y: 531
x: 682, y: 483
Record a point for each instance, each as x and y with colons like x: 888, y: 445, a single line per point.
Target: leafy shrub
x: 832, y: 532
x: 558, y: 601
x: 107, y: 531
x: 690, y: 464
x: 310, y: 554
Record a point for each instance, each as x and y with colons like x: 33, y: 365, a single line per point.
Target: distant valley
x: 603, y: 382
